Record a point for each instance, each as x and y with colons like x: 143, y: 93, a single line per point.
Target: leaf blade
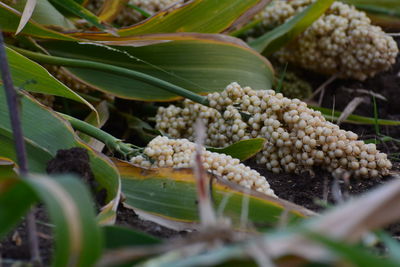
x: 201, y: 63
x: 171, y: 195
x: 241, y: 150
x: 283, y: 34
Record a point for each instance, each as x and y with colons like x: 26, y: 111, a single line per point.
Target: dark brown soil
x: 76, y: 161
x: 127, y: 217
x: 14, y: 248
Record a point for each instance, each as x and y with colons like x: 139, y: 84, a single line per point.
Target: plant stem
x: 13, y: 107
x: 78, y: 63
x: 109, y: 140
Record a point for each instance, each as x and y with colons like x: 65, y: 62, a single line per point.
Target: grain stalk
x: 13, y: 107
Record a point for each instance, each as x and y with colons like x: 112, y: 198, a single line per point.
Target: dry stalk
x: 14, y: 111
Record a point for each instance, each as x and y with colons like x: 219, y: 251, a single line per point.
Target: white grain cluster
x: 179, y: 153
x: 298, y: 138
x: 342, y: 41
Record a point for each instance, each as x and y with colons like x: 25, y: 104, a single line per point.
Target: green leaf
x: 199, y: 63
x: 202, y: 16
x: 391, y: 244
x: 78, y: 238
x: 9, y: 19
x: 242, y: 150
x: 45, y: 14
x: 79, y: 11
x: 170, y: 194
x: 357, y: 119
x: 32, y: 77
x: 285, y: 33
x: 117, y: 237
x: 45, y: 133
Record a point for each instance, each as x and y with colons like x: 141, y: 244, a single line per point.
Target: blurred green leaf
x: 117, y: 237
x: 78, y: 239
x: 274, y: 40
x: 45, y: 133
x: 170, y: 194
x: 386, y: 7
x: 199, y: 63
x: 391, y: 244
x: 353, y: 253
x: 9, y: 19
x: 242, y: 150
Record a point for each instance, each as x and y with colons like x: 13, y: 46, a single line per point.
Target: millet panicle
x: 298, y: 138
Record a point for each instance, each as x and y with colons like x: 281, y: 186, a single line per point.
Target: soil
x: 313, y: 191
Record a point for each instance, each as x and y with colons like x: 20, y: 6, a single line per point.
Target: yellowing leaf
x: 170, y: 196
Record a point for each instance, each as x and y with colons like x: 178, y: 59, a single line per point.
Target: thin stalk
x: 110, y: 141
x: 78, y: 63
x: 376, y: 124
x: 13, y: 107
x: 141, y: 11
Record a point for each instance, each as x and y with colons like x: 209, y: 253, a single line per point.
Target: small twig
x: 364, y: 91
x: 351, y: 106
x: 322, y: 88
x: 12, y: 102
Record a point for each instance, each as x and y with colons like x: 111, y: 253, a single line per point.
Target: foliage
x: 117, y: 78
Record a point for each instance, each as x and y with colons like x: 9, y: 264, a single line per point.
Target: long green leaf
x: 283, y: 34
x: 10, y: 17
x: 197, y: 62
x: 80, y: 11
x: 34, y: 78
x: 45, y: 133
x: 171, y: 195
x: 202, y: 16
x: 357, y: 119
x: 78, y: 239
x: 243, y: 149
